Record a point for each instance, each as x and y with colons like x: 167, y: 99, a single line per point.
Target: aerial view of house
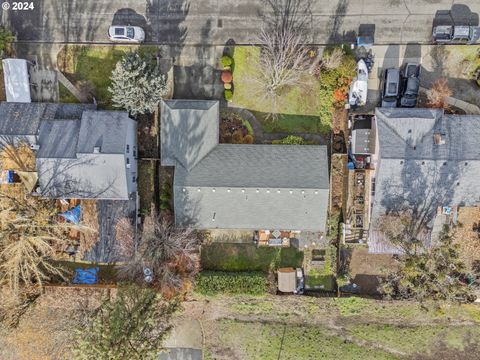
x: 281, y: 179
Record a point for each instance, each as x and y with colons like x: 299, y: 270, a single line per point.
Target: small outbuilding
x: 17, y: 80
x: 287, y: 280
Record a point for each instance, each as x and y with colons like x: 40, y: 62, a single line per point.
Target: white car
x: 357, y: 95
x: 126, y: 34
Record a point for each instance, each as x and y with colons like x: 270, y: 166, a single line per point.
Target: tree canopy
x: 137, y: 84
x: 131, y: 326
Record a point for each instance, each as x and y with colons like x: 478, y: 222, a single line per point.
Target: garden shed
x: 287, y: 281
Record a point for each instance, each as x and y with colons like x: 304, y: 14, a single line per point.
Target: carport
x: 17, y: 82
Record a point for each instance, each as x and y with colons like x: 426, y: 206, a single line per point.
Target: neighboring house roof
x: 58, y: 138
x: 104, y: 129
x: 88, y: 176
x: 247, y: 186
x: 189, y: 131
x: 416, y: 170
x: 17, y: 80
x: 25, y: 118
x: 363, y: 136
x: 68, y: 166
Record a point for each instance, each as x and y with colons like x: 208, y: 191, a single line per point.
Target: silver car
x: 126, y: 34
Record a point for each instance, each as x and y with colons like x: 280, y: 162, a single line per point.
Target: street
x: 214, y: 22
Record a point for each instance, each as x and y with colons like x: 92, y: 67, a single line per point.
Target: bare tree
x: 437, y: 96
x: 30, y: 236
x: 170, y: 253
x: 332, y: 59
x: 283, y: 59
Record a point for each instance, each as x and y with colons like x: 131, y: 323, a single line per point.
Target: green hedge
x: 220, y: 282
x: 248, y: 257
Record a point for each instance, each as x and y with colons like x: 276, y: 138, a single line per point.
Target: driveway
x: 437, y: 62
x: 214, y: 22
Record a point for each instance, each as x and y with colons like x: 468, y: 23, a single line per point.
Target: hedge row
x: 220, y: 282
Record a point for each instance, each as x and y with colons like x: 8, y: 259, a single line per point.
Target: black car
x: 391, y: 88
x: 411, y: 85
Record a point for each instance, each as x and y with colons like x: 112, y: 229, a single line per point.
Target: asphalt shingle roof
x: 240, y: 186
x: 189, y: 131
x: 416, y: 173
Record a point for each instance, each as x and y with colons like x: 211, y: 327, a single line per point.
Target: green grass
x: 66, y: 96
x: 277, y: 341
x: 146, y: 185
x: 325, y: 278
x: 95, y: 63
x: 247, y: 257
x: 413, y: 339
x: 298, y: 108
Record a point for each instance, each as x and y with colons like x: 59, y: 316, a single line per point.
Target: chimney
x: 439, y: 139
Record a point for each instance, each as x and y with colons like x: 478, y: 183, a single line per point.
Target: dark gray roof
x: 104, y: 129
x: 255, y: 187
x: 58, y: 138
x: 25, y: 118
x: 189, y: 131
x: 415, y: 173
x: 363, y: 135
x: 272, y: 166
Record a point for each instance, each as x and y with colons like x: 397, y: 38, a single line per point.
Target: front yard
x: 301, y: 109
x: 90, y: 67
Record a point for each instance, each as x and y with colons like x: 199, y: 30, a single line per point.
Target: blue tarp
x: 10, y: 176
x: 73, y: 215
x: 86, y: 276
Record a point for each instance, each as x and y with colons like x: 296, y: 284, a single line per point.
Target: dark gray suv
x: 391, y: 88
x: 411, y: 85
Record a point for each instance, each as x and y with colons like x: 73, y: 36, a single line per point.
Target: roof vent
x: 439, y: 139
x: 96, y: 149
x: 34, y: 147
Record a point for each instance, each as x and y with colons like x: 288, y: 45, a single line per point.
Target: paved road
x: 214, y: 22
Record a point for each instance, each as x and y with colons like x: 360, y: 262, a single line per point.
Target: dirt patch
x: 339, y: 183
x: 90, y: 220
x: 366, y: 270
x: 467, y: 235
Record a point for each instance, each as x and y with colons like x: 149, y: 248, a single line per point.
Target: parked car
x: 126, y: 34
x: 357, y: 96
x: 449, y: 34
x: 411, y: 85
x: 391, y: 88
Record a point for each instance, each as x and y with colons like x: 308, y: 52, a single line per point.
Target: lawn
x: 255, y: 340
x: 65, y: 95
x: 146, y: 185
x: 94, y: 63
x: 414, y: 339
x: 248, y: 257
x: 300, y: 109
x: 324, y: 278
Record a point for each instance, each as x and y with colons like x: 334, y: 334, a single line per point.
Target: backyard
x: 248, y: 257
x: 301, y: 109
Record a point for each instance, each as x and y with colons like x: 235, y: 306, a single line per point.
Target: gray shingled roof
x: 255, y: 187
x: 58, y: 138
x: 414, y: 172
x: 89, y: 176
x: 189, y: 131
x: 25, y: 118
x: 104, y: 129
